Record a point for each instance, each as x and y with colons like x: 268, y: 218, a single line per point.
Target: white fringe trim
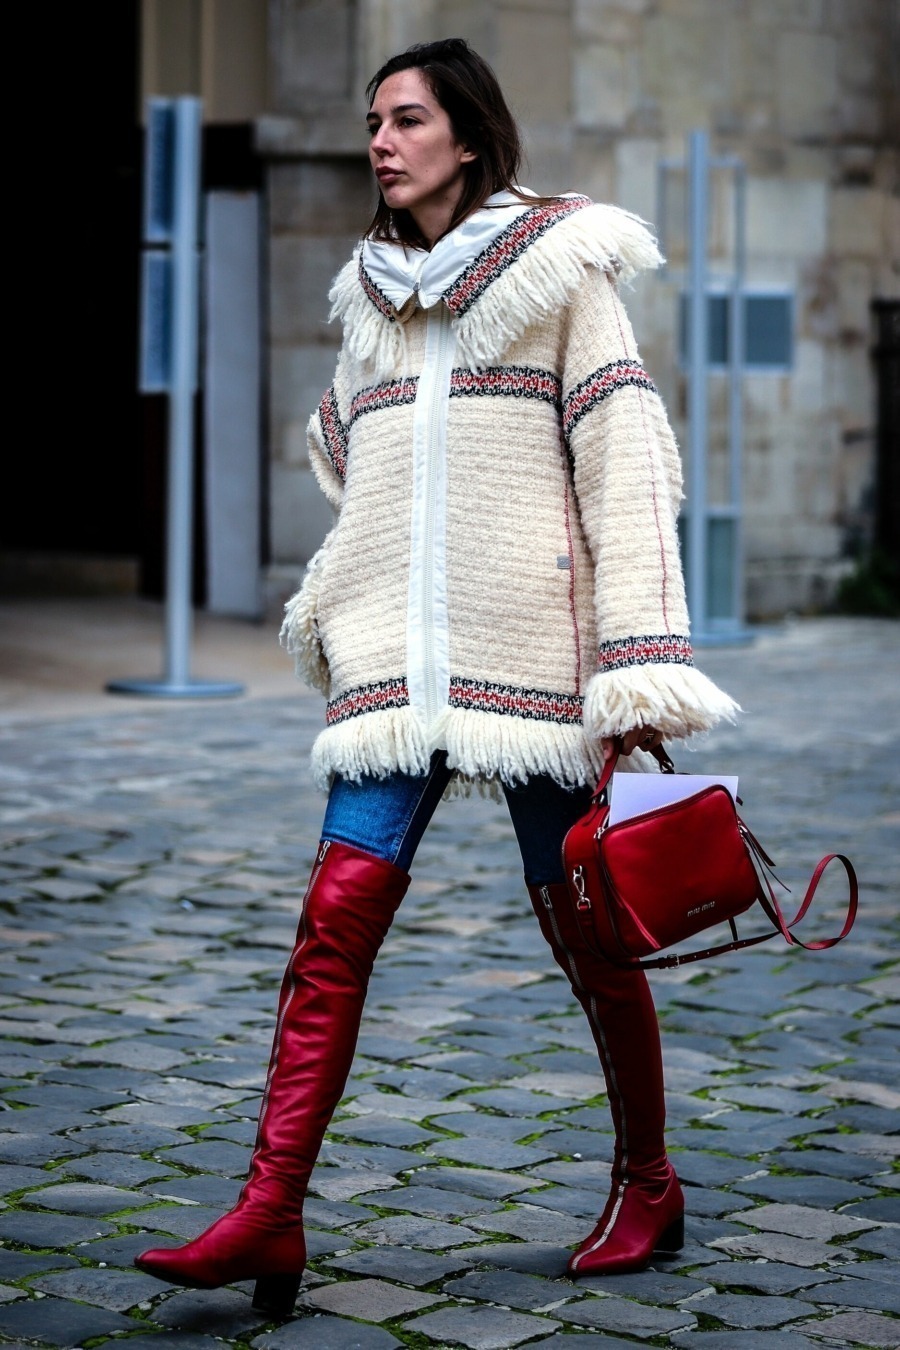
x: 373, y: 745
x: 548, y: 274
x: 485, y: 749
x: 370, y: 336
x: 678, y: 700
x: 299, y: 633
x: 483, y: 745
x: 544, y: 279
x: 462, y: 786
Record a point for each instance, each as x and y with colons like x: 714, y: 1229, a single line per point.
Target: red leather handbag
x: 648, y: 882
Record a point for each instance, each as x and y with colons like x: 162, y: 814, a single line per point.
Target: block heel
x: 276, y: 1294
x: 672, y: 1240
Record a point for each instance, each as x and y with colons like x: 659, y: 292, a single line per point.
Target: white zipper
x: 428, y: 672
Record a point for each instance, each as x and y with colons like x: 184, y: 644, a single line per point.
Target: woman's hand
x: 645, y: 738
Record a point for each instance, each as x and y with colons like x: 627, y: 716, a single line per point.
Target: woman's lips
x: 387, y: 176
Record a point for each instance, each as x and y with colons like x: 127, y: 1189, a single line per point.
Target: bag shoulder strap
x: 775, y: 915
x: 773, y: 911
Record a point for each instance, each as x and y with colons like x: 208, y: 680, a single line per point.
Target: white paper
x: 635, y: 793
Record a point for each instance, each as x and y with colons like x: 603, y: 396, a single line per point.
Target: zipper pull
x: 326, y: 845
x: 545, y: 896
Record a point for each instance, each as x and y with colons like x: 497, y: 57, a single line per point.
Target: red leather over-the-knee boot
x: 645, y: 1210
x: 347, y: 910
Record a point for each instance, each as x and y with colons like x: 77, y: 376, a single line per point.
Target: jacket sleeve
x: 328, y: 436
x: 627, y: 476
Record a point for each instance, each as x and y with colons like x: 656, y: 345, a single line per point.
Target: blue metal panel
x: 767, y: 330
x: 155, y: 373
x: 159, y: 172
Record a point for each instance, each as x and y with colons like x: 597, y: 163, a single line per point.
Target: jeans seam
x: 440, y: 759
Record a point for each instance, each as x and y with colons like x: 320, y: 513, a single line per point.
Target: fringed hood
x: 507, y: 267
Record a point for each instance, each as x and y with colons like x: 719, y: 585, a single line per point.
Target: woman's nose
x: 380, y: 141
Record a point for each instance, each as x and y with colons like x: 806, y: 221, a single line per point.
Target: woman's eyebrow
x: 397, y: 109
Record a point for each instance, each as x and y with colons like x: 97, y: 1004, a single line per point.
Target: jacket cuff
x: 670, y: 695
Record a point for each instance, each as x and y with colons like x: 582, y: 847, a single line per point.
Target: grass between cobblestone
x: 845, y: 1033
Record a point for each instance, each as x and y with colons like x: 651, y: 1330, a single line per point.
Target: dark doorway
x: 84, y: 507
x: 887, y: 358
x: 77, y: 488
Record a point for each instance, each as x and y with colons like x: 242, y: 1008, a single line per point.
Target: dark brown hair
x: 470, y: 94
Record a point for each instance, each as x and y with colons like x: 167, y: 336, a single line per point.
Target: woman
x: 500, y: 603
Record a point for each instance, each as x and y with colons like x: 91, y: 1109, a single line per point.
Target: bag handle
x: 659, y: 753
x: 765, y: 894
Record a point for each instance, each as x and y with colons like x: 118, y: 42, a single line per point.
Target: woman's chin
x: 393, y: 203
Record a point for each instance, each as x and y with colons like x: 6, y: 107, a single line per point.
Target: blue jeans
x: 388, y: 817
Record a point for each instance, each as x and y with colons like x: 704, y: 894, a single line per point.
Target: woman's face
x: 414, y: 154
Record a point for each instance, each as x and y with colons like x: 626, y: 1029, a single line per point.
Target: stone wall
x: 801, y: 90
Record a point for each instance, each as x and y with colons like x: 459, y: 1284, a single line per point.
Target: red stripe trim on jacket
x: 665, y: 649
x: 506, y: 249
x: 599, y: 385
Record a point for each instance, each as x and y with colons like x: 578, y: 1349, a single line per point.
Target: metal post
x: 179, y: 539
x: 711, y: 533
x: 175, y: 222
x: 736, y: 393
x: 697, y: 393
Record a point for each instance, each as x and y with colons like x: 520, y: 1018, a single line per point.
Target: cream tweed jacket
x: 503, y: 579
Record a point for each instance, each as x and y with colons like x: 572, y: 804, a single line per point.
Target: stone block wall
x: 804, y: 91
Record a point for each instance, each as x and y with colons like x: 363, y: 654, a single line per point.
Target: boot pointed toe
x: 245, y: 1244
x: 168, y: 1264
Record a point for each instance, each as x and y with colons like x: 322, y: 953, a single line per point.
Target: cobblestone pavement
x: 150, y: 867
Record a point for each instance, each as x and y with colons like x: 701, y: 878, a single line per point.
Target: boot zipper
x: 594, y: 1019
x: 548, y: 905
x: 324, y: 846
x: 322, y: 854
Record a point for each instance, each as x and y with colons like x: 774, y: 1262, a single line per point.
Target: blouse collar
x: 401, y: 272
